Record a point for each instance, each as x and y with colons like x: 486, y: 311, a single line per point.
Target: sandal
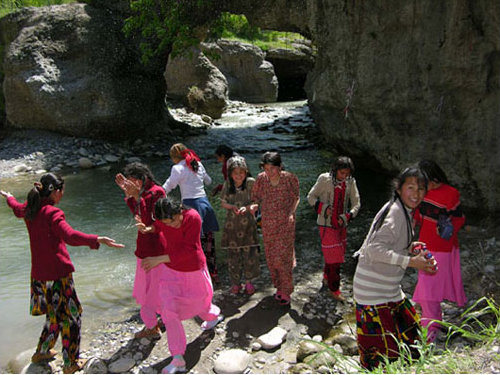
x: 235, y: 289
x: 177, y: 365
x: 154, y: 333
x: 40, y: 357
x: 77, y: 366
x: 249, y: 289
x: 284, y: 300
x: 209, y: 324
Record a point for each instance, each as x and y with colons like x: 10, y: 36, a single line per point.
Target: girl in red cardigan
x: 185, y: 288
x: 141, y: 193
x: 52, y: 288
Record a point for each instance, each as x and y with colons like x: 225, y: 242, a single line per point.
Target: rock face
x: 68, y: 68
x: 194, y: 69
x: 250, y: 78
x: 394, y: 84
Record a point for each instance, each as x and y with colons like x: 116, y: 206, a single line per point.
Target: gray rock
x: 85, y: 163
x: 95, y: 366
x: 122, y: 365
x: 20, y: 168
x: 234, y: 361
x: 110, y: 158
x: 306, y: 348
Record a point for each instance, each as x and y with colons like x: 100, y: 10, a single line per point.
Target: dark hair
x: 223, y: 150
x: 233, y: 163
x: 141, y: 172
x: 397, y: 184
x: 49, y: 182
x: 433, y: 171
x: 167, y: 208
x: 271, y: 157
x: 341, y: 162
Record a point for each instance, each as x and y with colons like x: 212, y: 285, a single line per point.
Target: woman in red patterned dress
x: 277, y: 193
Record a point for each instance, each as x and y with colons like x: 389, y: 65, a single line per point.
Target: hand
x: 243, y: 210
x: 109, y: 242
x: 5, y: 194
x: 253, y: 208
x: 421, y: 263
x: 235, y: 209
x: 291, y: 218
x: 130, y: 188
x: 141, y: 227
x: 149, y: 263
x: 414, y: 244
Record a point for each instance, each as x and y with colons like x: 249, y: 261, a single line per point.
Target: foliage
x: 9, y: 6
x: 169, y: 25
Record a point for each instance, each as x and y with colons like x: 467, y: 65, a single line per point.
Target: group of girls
x: 176, y: 261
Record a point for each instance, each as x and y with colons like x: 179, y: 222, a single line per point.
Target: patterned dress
x: 239, y: 238
x: 277, y: 203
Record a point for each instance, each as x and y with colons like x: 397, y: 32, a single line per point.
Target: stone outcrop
x: 68, y: 68
x: 396, y: 83
x: 194, y: 72
x: 250, y: 78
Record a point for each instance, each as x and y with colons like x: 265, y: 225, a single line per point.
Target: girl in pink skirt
x: 141, y: 193
x: 185, y: 287
x: 441, y: 219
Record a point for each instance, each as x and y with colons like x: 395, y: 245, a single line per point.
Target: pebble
x: 273, y: 338
x: 233, y: 361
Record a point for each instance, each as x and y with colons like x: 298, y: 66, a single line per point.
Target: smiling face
x: 238, y: 175
x: 272, y: 171
x: 411, y: 192
x: 176, y: 222
x: 343, y: 173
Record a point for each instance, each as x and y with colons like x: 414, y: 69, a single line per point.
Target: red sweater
x: 148, y: 245
x: 183, y: 244
x: 442, y: 200
x: 49, y: 232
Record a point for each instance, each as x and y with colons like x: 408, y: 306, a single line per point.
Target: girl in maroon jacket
x: 52, y: 288
x: 141, y: 193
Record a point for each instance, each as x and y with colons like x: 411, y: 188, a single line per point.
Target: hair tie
x: 189, y: 156
x: 50, y: 187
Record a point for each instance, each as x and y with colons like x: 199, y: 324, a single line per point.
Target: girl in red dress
x: 277, y: 193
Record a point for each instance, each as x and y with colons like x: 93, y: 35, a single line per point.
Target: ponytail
x: 48, y: 183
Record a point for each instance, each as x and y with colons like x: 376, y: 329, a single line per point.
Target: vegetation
x: 479, y: 327
x: 9, y: 6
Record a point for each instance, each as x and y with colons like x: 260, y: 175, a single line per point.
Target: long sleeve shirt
x: 191, y: 183
x: 147, y: 244
x: 49, y: 233
x: 383, y: 259
x: 183, y: 243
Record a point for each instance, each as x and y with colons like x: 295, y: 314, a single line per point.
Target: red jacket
x: 442, y: 200
x: 183, y: 244
x: 148, y: 245
x: 49, y: 233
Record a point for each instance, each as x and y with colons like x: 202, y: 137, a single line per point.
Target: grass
x: 9, y: 6
x: 479, y: 327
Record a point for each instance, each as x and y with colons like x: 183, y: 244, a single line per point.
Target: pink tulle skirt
x: 187, y: 294
x: 146, y: 287
x: 446, y: 284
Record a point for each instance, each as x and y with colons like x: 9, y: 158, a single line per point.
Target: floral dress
x: 277, y: 203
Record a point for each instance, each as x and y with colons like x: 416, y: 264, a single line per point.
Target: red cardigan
x: 49, y: 233
x: 148, y: 245
x: 183, y: 244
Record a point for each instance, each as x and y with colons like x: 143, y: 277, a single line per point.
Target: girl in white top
x: 190, y: 175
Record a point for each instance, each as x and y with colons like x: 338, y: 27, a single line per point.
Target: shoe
x: 284, y: 300
x: 77, y: 366
x: 177, y: 365
x: 249, y: 289
x: 209, y: 324
x: 39, y: 357
x: 337, y: 295
x: 148, y: 333
x: 277, y: 296
x: 235, y: 289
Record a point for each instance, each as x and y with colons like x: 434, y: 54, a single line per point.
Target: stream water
x: 94, y: 204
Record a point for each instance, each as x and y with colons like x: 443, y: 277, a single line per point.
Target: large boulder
x: 394, y: 83
x: 68, y: 68
x: 250, y: 78
x: 192, y: 73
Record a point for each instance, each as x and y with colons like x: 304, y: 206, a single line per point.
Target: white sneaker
x: 209, y: 324
x: 176, y: 366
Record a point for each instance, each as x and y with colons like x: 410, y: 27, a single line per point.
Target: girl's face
x: 137, y: 182
x: 411, y: 192
x: 175, y: 222
x: 272, y: 171
x: 220, y: 158
x: 238, y: 175
x: 343, y: 173
x: 57, y: 195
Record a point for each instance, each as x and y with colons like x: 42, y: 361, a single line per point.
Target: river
x: 94, y: 204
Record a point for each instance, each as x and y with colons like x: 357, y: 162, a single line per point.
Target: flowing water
x: 94, y: 204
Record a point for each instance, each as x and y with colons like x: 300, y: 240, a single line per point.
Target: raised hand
x: 109, y: 242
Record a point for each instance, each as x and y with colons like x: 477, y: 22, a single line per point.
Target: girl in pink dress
x: 441, y: 218
x: 141, y: 193
x: 277, y: 193
x: 185, y: 287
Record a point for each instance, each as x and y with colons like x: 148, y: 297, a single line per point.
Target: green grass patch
x: 9, y: 6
